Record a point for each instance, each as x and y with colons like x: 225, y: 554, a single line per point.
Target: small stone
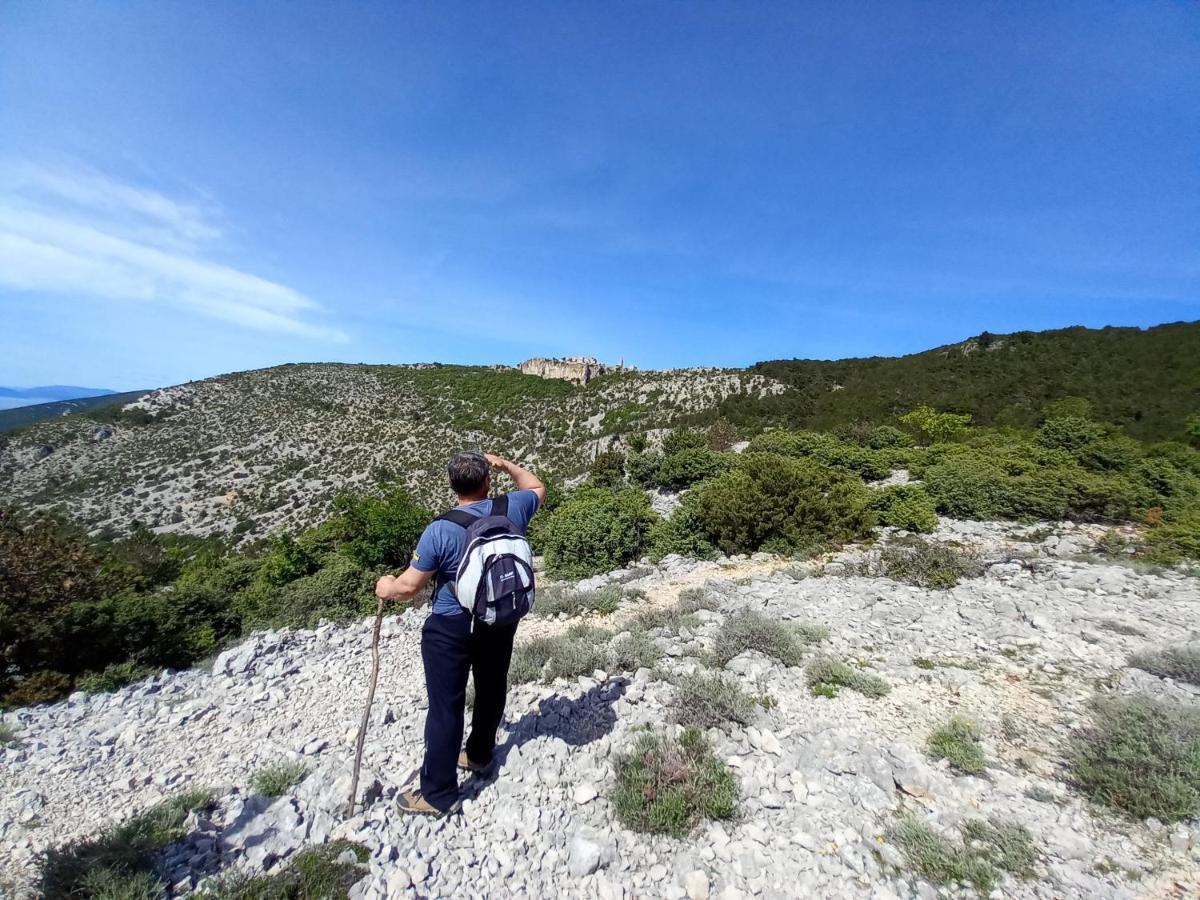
x: 696, y: 885
x: 584, y: 856
x: 584, y: 793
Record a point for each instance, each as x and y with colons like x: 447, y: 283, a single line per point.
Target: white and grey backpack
x: 495, y: 572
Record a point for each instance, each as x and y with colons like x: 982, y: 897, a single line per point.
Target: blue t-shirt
x: 442, y: 543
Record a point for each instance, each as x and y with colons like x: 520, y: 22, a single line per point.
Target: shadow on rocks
x: 576, y: 722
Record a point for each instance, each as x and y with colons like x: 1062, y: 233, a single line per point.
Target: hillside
x: 23, y: 416
x: 1145, y: 380
x: 268, y: 450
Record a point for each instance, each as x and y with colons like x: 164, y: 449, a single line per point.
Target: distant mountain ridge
x: 11, y: 397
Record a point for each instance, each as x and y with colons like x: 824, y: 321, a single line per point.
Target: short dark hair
x: 468, y: 472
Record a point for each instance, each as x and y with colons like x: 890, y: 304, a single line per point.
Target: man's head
x: 470, y: 474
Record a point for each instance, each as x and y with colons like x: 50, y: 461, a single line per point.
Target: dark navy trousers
x: 450, y: 650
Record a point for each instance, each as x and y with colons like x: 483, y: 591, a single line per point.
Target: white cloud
x: 89, y: 236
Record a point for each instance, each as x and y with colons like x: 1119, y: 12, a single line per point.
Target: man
x: 450, y: 645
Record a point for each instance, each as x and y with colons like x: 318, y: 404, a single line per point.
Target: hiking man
x: 455, y: 640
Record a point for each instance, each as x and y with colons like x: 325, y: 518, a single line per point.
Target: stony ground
x: 1019, y: 651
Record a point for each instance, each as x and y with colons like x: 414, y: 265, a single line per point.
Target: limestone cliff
x: 577, y: 369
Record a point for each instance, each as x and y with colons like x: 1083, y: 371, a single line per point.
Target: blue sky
x: 194, y: 188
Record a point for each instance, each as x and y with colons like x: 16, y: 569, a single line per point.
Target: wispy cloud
x: 84, y: 234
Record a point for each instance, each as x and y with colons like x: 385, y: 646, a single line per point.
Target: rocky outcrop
x: 576, y: 369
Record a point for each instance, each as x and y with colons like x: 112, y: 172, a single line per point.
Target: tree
x: 721, y: 435
x: 1193, y: 427
x: 933, y: 427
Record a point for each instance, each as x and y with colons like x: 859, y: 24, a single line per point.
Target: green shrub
x: 1181, y: 662
x: 825, y: 449
x: 38, y: 687
x: 782, y: 504
x: 722, y: 435
x: 928, y: 564
x: 311, y: 874
x: 632, y: 650
x: 120, y: 862
x: 933, y: 427
x: 751, y: 630
x: 958, y: 742
x: 1176, y: 538
x: 597, y: 530
x: 340, y: 590
x: 9, y: 735
x: 608, y: 470
x: 826, y: 675
x: 687, y: 467
x: 682, y: 533
x: 887, y: 437
x: 643, y: 468
x: 580, y: 651
x: 1069, y: 433
x: 986, y: 848
x: 684, y: 439
x: 558, y: 598
x: 379, y: 531
x: 113, y: 678
x: 277, y: 778
x: 710, y: 701
x: 667, y: 785
x: 1141, y: 756
x: 906, y: 506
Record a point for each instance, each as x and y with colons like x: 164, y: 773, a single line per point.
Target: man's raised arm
x: 523, y: 478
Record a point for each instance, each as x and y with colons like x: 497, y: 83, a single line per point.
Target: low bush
x: 559, y: 598
x: 1069, y: 433
x: 986, y: 848
x: 906, y: 506
x: 120, y: 862
x: 596, y: 530
x: 309, y: 875
x: 750, y: 630
x: 1141, y: 756
x: 781, y: 504
x: 113, y: 677
x: 9, y: 735
x: 958, y: 742
x: 826, y: 675
x: 667, y: 785
x: 580, y: 651
x: 1181, y: 662
x: 608, y: 470
x: 278, y: 778
x: 687, y: 467
x: 823, y: 448
x: 682, y: 533
x: 679, y: 614
x: 888, y: 437
x: 928, y: 564
x: 378, y: 531
x: 711, y: 701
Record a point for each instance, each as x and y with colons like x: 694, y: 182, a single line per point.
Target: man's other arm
x: 523, y: 478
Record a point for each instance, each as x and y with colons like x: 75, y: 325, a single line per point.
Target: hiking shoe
x: 412, y: 802
x: 465, y: 762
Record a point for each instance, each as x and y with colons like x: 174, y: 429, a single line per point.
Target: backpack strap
x: 459, y: 517
x: 500, y: 506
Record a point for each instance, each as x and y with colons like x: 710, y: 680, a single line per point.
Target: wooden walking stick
x: 366, y: 718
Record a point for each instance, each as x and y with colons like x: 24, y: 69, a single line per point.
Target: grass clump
x: 750, y: 630
x: 1121, y: 628
x: 712, y: 700
x: 987, y: 847
x: 927, y: 564
x: 581, y: 651
x: 666, y: 785
x: 1141, y: 756
x: 826, y: 675
x: 310, y: 874
x: 567, y: 600
x: 113, y: 678
x: 119, y: 864
x: 1181, y: 662
x: 275, y: 780
x: 958, y: 742
x: 9, y: 735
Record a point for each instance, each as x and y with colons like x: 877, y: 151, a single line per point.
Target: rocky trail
x: 1019, y: 651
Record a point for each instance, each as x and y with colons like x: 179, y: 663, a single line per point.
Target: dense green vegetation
x: 94, y: 613
x: 1146, y: 381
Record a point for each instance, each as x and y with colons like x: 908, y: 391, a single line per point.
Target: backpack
x: 495, y: 572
